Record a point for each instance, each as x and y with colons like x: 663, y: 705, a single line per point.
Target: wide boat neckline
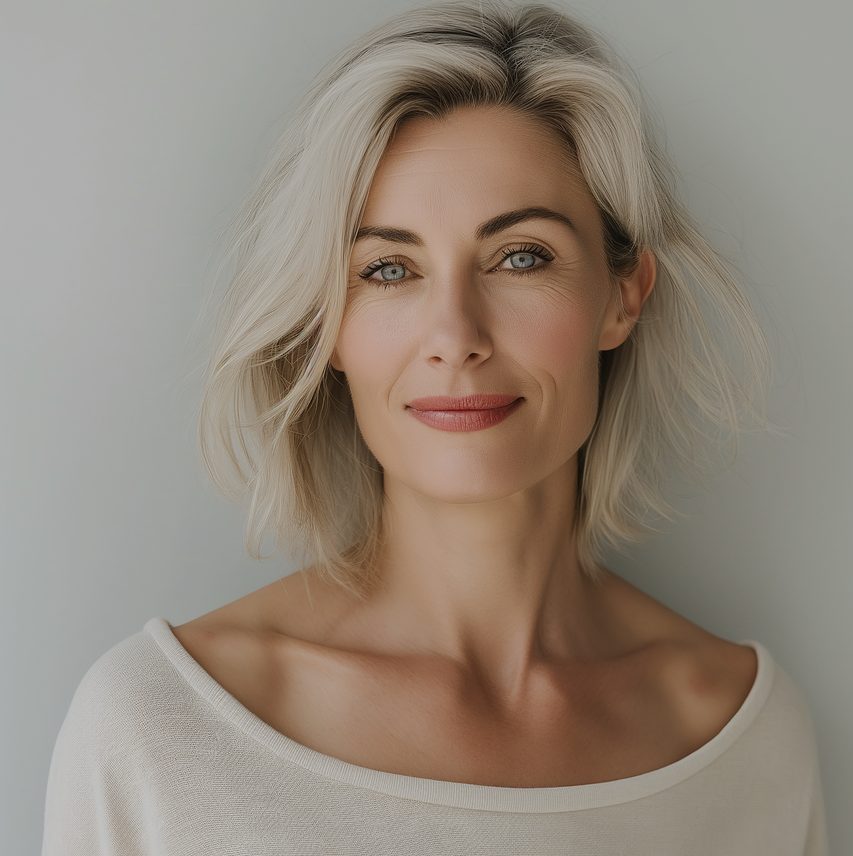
x: 458, y: 794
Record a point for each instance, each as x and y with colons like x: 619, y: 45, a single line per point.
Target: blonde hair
x: 279, y: 418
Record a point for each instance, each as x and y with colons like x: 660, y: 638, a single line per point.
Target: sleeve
x: 95, y: 800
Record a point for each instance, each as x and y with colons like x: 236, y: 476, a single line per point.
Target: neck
x: 495, y: 586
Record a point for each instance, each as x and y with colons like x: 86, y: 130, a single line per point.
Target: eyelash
x: 531, y: 249
x: 378, y: 265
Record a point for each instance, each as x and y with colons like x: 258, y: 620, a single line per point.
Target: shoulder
x: 707, y: 681
x: 250, y: 645
x: 127, y: 695
x: 111, y: 743
x: 100, y: 754
x: 698, y: 681
x: 679, y: 652
x: 248, y: 636
x: 784, y: 719
x: 121, y: 676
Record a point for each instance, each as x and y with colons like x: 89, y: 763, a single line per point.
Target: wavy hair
x: 277, y: 421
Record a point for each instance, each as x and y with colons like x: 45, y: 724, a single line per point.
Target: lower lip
x: 465, y: 420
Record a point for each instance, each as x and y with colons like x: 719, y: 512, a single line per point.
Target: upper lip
x: 476, y: 401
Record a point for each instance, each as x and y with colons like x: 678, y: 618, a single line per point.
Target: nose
x: 455, y: 325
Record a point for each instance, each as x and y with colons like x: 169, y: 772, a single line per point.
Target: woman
x: 467, y: 333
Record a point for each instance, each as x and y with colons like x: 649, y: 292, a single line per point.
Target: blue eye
x: 391, y: 272
x: 522, y: 260
x: 525, y: 258
x: 386, y: 272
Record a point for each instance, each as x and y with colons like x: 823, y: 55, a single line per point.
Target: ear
x: 335, y: 361
x: 626, y: 307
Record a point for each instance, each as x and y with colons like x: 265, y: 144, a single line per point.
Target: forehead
x: 479, y: 160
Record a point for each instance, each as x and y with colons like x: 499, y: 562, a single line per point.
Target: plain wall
x: 132, y: 130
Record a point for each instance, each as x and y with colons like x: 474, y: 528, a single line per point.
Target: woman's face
x: 478, y: 279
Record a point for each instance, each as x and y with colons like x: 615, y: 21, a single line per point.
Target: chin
x: 469, y: 481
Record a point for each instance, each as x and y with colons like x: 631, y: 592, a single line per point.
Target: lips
x: 478, y: 401
x: 463, y: 413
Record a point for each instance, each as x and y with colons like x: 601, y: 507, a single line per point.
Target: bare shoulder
x: 280, y: 603
x: 702, y: 678
x: 274, y: 651
x: 242, y: 643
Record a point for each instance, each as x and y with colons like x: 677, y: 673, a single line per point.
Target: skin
x: 484, y: 655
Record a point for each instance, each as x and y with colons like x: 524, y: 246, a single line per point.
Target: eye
x: 386, y: 272
x: 389, y: 272
x: 523, y: 259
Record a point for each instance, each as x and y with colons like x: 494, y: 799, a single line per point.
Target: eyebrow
x: 512, y: 218
x: 386, y: 233
x: 484, y: 230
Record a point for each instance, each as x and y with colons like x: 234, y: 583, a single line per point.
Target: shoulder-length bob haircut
x: 280, y: 419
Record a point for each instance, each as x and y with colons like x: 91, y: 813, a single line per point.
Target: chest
x: 431, y: 721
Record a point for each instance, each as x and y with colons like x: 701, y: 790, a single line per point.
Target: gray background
x: 131, y: 131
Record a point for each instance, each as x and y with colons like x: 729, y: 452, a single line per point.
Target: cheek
x: 562, y: 338
x: 369, y: 351
x: 567, y: 345
x: 561, y: 350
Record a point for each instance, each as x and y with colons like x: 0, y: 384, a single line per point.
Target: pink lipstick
x: 465, y: 413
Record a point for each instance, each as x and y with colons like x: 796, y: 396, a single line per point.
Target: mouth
x: 464, y: 413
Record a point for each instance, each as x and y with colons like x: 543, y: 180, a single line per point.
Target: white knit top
x: 155, y: 757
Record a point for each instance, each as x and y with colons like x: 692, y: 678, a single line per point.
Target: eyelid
x: 530, y: 249
x: 382, y: 262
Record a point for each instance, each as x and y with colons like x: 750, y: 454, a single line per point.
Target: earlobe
x: 335, y: 361
x: 633, y: 292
